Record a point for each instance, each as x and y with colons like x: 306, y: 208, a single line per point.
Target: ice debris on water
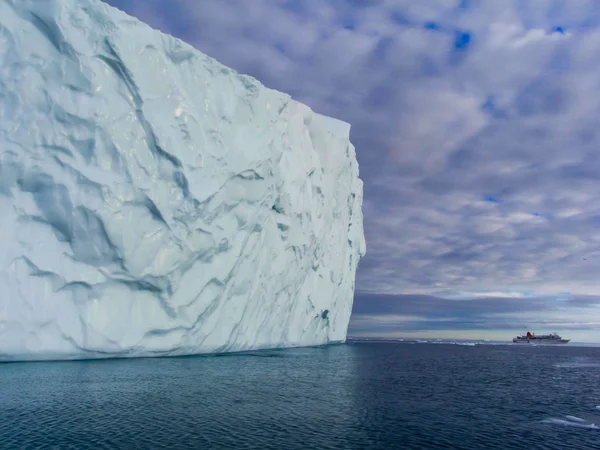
x: 572, y: 421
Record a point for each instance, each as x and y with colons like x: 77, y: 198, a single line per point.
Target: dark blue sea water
x: 354, y: 396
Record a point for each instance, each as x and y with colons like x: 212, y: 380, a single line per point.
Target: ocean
x: 359, y: 395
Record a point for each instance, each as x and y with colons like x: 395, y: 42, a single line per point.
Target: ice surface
x: 156, y: 202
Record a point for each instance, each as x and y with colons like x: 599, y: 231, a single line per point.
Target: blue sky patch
x: 462, y: 40
x: 431, y: 26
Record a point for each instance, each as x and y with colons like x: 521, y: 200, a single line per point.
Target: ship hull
x: 541, y: 341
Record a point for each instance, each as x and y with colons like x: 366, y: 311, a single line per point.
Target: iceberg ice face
x: 156, y: 202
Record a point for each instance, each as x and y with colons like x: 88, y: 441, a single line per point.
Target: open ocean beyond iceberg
x: 360, y: 395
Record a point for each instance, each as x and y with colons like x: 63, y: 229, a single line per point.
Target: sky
x: 477, y: 131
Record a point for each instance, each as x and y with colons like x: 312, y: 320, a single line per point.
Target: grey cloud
x: 437, y: 307
x: 370, y: 327
x: 409, y: 313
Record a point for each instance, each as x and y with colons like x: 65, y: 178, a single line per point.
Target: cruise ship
x: 532, y: 338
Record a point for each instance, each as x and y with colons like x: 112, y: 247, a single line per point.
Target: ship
x: 532, y: 338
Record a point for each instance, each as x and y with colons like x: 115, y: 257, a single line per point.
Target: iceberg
x: 155, y: 202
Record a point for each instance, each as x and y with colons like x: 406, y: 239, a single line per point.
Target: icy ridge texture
x: 156, y: 202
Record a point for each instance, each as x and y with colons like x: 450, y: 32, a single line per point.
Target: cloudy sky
x: 477, y: 130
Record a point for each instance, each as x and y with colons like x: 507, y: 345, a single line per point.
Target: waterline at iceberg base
x: 156, y: 202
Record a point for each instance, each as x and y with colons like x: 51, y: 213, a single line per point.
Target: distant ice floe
x: 573, y: 421
x: 440, y: 341
x: 568, y: 423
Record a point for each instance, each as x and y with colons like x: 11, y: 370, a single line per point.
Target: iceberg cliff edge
x: 155, y: 202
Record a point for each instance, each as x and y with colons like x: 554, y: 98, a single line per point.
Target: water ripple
x: 358, y: 396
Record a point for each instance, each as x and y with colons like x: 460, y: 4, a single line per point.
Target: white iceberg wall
x: 155, y: 202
